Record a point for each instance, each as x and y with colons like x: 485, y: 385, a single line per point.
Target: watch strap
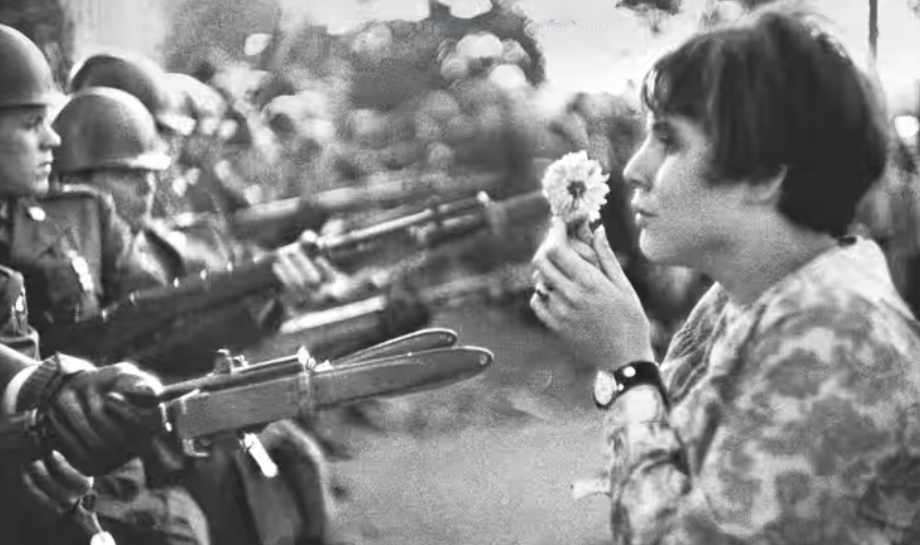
x: 637, y: 373
x: 47, y: 379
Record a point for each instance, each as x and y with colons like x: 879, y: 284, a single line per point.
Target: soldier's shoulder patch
x: 13, y: 297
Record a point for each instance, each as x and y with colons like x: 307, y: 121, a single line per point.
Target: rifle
x: 238, y: 397
x: 338, y: 330
x: 139, y: 324
x: 274, y: 222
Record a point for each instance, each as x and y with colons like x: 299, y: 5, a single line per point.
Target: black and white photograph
x: 459, y: 272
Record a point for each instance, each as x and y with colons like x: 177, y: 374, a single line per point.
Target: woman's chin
x: 657, y: 250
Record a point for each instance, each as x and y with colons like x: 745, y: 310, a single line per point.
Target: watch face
x: 605, y: 386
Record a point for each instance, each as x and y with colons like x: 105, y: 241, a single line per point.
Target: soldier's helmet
x: 204, y: 104
x: 103, y: 128
x: 137, y: 76
x: 25, y: 76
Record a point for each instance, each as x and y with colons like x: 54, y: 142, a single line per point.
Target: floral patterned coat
x: 793, y: 420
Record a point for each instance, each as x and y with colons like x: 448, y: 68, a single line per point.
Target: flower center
x: 576, y: 188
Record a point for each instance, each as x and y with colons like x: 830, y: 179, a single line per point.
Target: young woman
x: 786, y: 409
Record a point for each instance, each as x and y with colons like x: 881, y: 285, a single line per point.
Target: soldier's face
x: 27, y: 142
x: 132, y: 191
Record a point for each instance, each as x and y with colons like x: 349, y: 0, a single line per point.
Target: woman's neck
x: 752, y: 268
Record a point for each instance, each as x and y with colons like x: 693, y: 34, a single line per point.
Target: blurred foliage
x: 390, y: 62
x: 915, y: 6
x: 213, y: 32
x: 48, y: 24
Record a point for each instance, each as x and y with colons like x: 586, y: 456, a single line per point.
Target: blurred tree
x: 214, y: 31
x: 48, y: 24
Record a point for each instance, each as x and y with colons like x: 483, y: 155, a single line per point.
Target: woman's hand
x: 590, y: 304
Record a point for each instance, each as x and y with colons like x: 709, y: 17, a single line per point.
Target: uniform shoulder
x: 8, y: 275
x: 74, y: 191
x: 70, y: 196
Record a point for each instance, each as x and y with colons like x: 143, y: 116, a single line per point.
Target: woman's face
x: 683, y: 220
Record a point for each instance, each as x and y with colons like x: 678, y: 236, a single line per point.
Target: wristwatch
x: 609, y: 385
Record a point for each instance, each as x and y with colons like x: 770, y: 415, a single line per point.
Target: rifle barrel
x: 277, y: 367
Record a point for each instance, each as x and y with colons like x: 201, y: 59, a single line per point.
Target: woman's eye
x: 668, y: 142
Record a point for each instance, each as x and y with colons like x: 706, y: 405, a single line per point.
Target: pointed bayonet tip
x: 485, y: 359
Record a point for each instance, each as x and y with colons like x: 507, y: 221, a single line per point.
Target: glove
x: 52, y: 487
x: 97, y: 418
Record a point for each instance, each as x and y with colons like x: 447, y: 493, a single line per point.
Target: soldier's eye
x: 35, y: 121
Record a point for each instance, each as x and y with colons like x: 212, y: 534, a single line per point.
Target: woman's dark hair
x: 773, y: 91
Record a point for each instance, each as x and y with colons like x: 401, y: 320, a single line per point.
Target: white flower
x: 575, y: 188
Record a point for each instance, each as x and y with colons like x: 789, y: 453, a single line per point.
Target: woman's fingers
x: 609, y: 263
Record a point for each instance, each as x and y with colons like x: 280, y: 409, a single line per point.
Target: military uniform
x: 16, y: 518
x: 76, y: 256
x: 186, y: 250
x: 241, y: 505
x: 15, y: 330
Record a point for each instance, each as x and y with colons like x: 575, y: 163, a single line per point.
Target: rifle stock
x: 137, y: 323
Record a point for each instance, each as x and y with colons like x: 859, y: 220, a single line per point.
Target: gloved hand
x: 300, y: 274
x: 52, y: 487
x: 99, y: 418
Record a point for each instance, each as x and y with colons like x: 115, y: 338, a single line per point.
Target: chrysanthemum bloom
x: 576, y: 189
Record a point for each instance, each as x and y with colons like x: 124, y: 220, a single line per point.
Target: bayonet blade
x: 425, y: 339
x: 396, y: 375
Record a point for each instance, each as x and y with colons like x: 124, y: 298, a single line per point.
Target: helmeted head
x: 139, y: 77
x: 24, y: 71
x: 207, y: 108
x: 200, y: 102
x: 109, y: 140
x: 27, y: 94
x: 102, y: 128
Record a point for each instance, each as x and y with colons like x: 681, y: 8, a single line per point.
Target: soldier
x: 168, y: 103
x: 202, y: 154
x: 68, y: 393
x: 77, y: 255
x: 109, y: 142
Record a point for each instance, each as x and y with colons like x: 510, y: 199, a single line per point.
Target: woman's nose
x: 638, y: 172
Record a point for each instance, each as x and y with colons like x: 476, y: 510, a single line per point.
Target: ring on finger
x: 84, y: 502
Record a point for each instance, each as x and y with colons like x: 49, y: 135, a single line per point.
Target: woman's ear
x: 761, y: 190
